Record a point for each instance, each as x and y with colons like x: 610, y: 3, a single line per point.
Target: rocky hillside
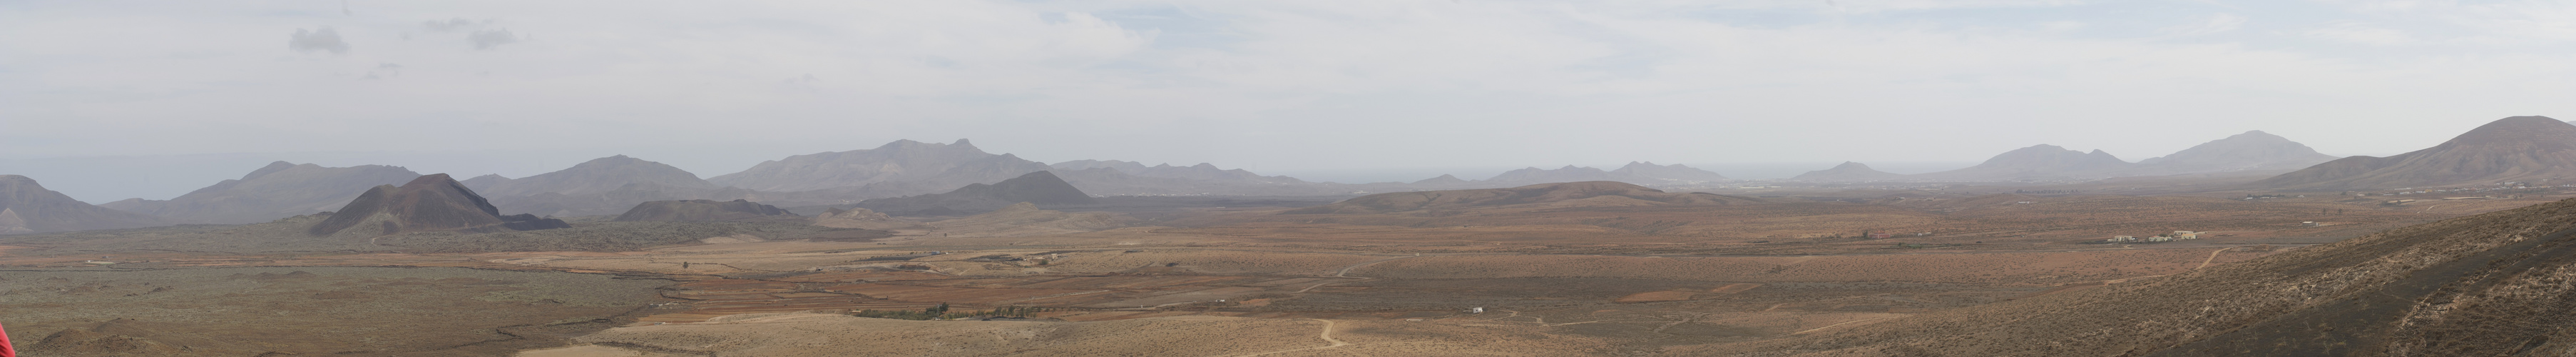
x: 2487, y: 285
x: 2516, y: 149
x: 27, y: 207
x: 280, y: 190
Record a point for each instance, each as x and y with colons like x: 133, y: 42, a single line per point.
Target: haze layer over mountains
x: 911, y: 177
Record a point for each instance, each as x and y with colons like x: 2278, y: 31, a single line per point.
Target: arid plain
x: 1580, y: 268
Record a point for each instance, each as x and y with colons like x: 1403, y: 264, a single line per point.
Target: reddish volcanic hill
x: 429, y: 203
x: 1540, y: 193
x: 2516, y: 149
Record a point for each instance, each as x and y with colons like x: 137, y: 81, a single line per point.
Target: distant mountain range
x: 1608, y: 192
x: 27, y: 207
x: 2249, y: 152
x: 930, y: 175
x: 1635, y: 172
x: 1847, y: 172
x: 279, y: 190
x: 2038, y: 162
x: 903, y: 167
x: 603, y: 186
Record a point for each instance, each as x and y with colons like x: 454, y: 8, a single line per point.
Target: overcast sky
x: 518, y: 87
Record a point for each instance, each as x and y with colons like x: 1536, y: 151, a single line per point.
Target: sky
x: 93, y: 92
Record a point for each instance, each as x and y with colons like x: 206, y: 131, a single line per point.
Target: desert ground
x: 1561, y: 278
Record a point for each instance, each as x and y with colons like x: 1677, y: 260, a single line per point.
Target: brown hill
x: 1540, y: 193
x: 1675, y: 172
x: 2036, y: 163
x: 1443, y: 180
x: 2484, y: 285
x: 589, y: 177
x: 703, y: 211
x: 1847, y: 172
x: 2516, y: 149
x: 428, y: 203
x: 603, y: 186
x: 902, y: 167
x: 1042, y: 188
x: 2252, y: 150
x: 278, y: 190
x: 27, y: 207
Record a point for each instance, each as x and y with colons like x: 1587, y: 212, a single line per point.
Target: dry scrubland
x: 308, y: 310
x: 2485, y: 285
x: 1995, y: 217
x: 1583, y: 276
x: 2050, y: 268
x: 836, y: 335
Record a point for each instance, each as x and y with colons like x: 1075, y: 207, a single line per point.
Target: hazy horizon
x: 102, y: 179
x: 1281, y: 87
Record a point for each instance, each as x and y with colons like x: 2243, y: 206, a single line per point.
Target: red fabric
x: 6, y: 350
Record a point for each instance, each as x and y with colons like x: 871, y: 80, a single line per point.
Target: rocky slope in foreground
x: 2485, y: 285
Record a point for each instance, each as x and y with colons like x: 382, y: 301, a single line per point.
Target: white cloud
x: 323, y: 40
x: 486, y: 39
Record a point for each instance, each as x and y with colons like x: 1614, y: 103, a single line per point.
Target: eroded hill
x: 2490, y: 284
